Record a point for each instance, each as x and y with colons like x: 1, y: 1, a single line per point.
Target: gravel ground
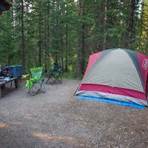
x: 55, y: 119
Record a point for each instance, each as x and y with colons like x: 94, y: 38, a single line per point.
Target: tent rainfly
x: 118, y: 76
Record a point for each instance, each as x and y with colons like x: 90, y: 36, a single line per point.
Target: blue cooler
x: 16, y: 70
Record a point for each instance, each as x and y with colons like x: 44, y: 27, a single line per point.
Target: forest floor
x: 55, y: 119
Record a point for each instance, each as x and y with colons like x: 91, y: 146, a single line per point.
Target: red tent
x: 116, y: 75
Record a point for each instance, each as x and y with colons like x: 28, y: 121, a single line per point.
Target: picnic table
x: 4, y: 81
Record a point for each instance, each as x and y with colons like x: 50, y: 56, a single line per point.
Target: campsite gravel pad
x: 57, y: 120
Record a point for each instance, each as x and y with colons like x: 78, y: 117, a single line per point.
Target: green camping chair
x: 35, y: 83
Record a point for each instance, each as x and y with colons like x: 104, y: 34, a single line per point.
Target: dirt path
x: 57, y: 120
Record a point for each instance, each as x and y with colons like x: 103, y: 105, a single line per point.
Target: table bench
x: 4, y: 82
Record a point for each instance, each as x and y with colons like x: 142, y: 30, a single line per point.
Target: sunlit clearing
x: 3, y: 125
x: 65, y: 139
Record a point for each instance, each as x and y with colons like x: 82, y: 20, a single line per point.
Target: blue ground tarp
x: 110, y: 101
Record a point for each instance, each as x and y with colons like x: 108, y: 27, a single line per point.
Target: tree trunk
x: 105, y: 25
x: 67, y: 48
x: 23, y: 36
x: 40, y: 39
x: 100, y: 24
x: 130, y: 34
x: 81, y: 48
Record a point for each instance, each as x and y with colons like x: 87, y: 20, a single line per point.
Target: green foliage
x: 67, y: 31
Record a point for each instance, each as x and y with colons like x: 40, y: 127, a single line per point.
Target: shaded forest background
x: 40, y: 32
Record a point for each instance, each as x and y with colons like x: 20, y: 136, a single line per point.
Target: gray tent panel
x: 115, y: 69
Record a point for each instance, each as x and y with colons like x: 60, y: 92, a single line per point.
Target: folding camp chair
x: 35, y: 83
x: 55, y: 75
